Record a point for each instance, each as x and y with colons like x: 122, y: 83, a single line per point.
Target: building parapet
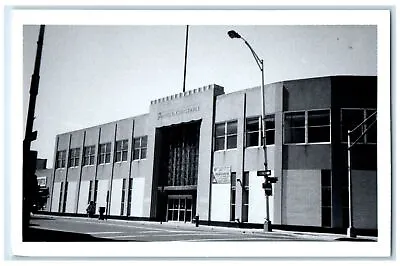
x: 186, y: 93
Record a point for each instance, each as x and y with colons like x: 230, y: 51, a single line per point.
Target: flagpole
x: 186, y: 46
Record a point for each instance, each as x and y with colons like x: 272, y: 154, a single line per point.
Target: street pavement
x: 60, y: 229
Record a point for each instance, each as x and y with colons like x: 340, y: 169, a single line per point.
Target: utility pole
x: 29, y: 181
x: 351, y: 232
x: 184, y: 68
x: 267, y: 185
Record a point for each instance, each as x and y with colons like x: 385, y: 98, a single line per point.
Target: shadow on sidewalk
x: 42, y: 235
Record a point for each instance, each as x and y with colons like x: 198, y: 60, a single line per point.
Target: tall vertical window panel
x: 65, y: 197
x: 245, y: 197
x: 60, y: 202
x: 123, y: 196
x: 90, y: 191
x: 130, y: 183
x: 233, y: 196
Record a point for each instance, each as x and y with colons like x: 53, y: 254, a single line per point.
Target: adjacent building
x: 198, y: 153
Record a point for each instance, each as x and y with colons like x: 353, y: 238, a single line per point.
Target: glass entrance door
x: 179, y: 208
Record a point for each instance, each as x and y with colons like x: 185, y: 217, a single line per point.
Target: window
x: 139, y: 148
x: 245, y: 197
x: 60, y: 159
x: 90, y: 191
x: 104, y: 153
x: 96, y: 186
x: 307, y: 127
x: 226, y: 135
x: 121, y: 150
x: 64, y: 205
x: 319, y: 126
x: 129, y: 196
x: 351, y: 118
x: 233, y: 196
x: 326, y: 198
x: 60, y: 201
x: 253, y: 131
x: 295, y: 127
x: 123, y: 196
x: 74, y: 155
x: 88, y: 155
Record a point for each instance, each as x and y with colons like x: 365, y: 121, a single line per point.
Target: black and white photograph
x: 204, y: 128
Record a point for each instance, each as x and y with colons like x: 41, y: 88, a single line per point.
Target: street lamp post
x: 351, y: 232
x: 233, y: 34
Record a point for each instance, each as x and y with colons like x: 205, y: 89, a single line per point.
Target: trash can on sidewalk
x: 102, y: 210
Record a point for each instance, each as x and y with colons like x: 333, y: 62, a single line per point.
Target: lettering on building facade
x: 167, y: 114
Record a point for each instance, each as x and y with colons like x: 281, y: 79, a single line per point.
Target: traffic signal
x: 272, y: 179
x: 267, y: 188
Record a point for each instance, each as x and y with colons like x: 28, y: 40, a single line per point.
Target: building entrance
x: 176, y: 171
x: 180, y: 208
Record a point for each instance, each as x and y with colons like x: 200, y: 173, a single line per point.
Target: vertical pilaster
x: 278, y: 171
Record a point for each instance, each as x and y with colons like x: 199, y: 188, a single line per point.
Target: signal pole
x: 29, y: 182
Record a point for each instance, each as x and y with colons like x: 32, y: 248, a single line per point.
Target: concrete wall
x: 56, y: 197
x: 83, y: 197
x: 71, y: 197
x: 302, y: 197
x: 220, y: 202
x: 138, y: 186
x: 115, y: 208
x: 364, y: 199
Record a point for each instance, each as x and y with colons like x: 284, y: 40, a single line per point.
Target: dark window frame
x: 306, y: 127
x: 61, y: 159
x: 226, y: 136
x: 270, y: 118
x: 74, y: 157
x: 104, y: 155
x: 140, y: 148
x: 89, y: 154
x: 121, y: 150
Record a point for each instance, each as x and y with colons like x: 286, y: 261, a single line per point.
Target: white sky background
x: 96, y: 74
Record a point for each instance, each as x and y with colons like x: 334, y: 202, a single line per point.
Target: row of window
x: 139, y: 152
x: 93, y: 188
x: 299, y: 127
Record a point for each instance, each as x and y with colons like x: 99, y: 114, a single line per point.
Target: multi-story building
x: 198, y: 153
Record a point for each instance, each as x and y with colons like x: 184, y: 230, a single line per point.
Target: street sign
x: 271, y: 179
x: 264, y: 173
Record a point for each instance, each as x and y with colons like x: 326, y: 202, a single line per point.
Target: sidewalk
x: 191, y: 226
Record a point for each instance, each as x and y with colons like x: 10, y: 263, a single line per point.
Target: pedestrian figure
x: 91, y: 208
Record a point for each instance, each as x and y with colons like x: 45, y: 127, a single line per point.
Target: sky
x: 91, y: 75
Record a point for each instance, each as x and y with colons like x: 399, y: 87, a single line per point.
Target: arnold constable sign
x: 168, y: 114
x: 222, y: 175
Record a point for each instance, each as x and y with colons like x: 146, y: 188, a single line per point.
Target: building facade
x: 198, y: 153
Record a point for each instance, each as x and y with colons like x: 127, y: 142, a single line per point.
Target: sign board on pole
x: 264, y: 173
